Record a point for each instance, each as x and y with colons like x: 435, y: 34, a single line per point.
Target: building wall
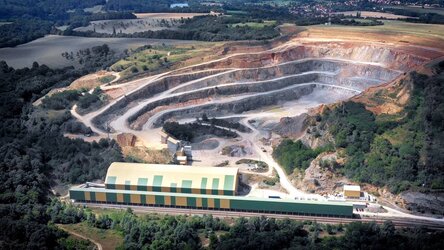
x: 208, y: 202
x: 350, y: 193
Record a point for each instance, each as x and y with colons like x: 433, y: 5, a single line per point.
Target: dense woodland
x: 35, y: 155
x: 23, y: 31
x: 202, y: 28
x: 30, y: 19
x: 401, y: 151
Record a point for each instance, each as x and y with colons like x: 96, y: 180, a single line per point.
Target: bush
x: 291, y: 155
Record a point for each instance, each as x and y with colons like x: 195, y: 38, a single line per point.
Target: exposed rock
x: 322, y: 180
x: 126, y: 139
x: 424, y: 202
x: 290, y: 127
x: 235, y: 151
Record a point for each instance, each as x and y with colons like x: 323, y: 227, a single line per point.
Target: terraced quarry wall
x: 246, y: 82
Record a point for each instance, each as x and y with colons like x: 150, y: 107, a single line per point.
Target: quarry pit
x: 258, y: 88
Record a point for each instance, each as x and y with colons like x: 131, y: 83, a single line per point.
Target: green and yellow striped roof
x: 162, y: 177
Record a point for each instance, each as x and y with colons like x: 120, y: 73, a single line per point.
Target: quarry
x: 265, y: 89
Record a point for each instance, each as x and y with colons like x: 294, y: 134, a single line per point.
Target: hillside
x: 391, y: 137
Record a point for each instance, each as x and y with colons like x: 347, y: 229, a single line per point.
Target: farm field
x: 372, y: 14
x: 431, y: 35
x: 48, y: 50
x: 144, y: 22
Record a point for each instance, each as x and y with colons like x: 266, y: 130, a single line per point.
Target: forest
x: 23, y: 31
x: 294, y: 154
x: 201, y: 28
x: 34, y: 154
x: 29, y: 20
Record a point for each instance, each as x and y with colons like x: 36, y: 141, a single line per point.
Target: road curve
x: 98, y: 245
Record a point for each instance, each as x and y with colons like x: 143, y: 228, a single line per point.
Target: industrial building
x: 179, y: 149
x: 209, y: 188
x: 172, y: 178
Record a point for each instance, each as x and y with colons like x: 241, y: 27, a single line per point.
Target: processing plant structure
x: 177, y: 186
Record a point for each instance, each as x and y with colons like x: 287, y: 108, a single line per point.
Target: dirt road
x: 98, y: 245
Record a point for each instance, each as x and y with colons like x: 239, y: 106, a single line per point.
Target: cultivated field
x: 48, y: 50
x: 372, y: 14
x: 430, y: 35
x: 144, y: 22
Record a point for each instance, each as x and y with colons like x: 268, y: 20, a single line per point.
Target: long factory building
x: 210, y: 188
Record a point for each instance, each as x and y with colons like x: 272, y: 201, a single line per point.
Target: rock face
x: 320, y: 178
x: 424, y: 202
x: 290, y: 127
x: 126, y: 139
x: 350, y: 66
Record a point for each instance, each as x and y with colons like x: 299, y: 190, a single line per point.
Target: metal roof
x: 352, y: 188
x: 163, y: 175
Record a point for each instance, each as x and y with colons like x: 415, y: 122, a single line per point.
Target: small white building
x: 352, y: 191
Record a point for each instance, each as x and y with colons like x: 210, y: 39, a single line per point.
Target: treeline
x: 190, y: 131
x: 401, y: 151
x: 184, y: 232
x: 156, y: 6
x: 201, y: 28
x: 97, y: 57
x: 417, y: 17
x: 23, y: 31
x: 223, y: 123
x: 44, y: 9
x: 34, y: 19
x: 66, y: 99
x: 34, y: 155
x: 305, y: 21
x: 294, y: 154
x: 263, y: 11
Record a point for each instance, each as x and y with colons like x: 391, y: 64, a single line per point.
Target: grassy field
x: 159, y: 58
x: 255, y: 25
x: 144, y: 22
x: 109, y: 239
x: 431, y: 35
